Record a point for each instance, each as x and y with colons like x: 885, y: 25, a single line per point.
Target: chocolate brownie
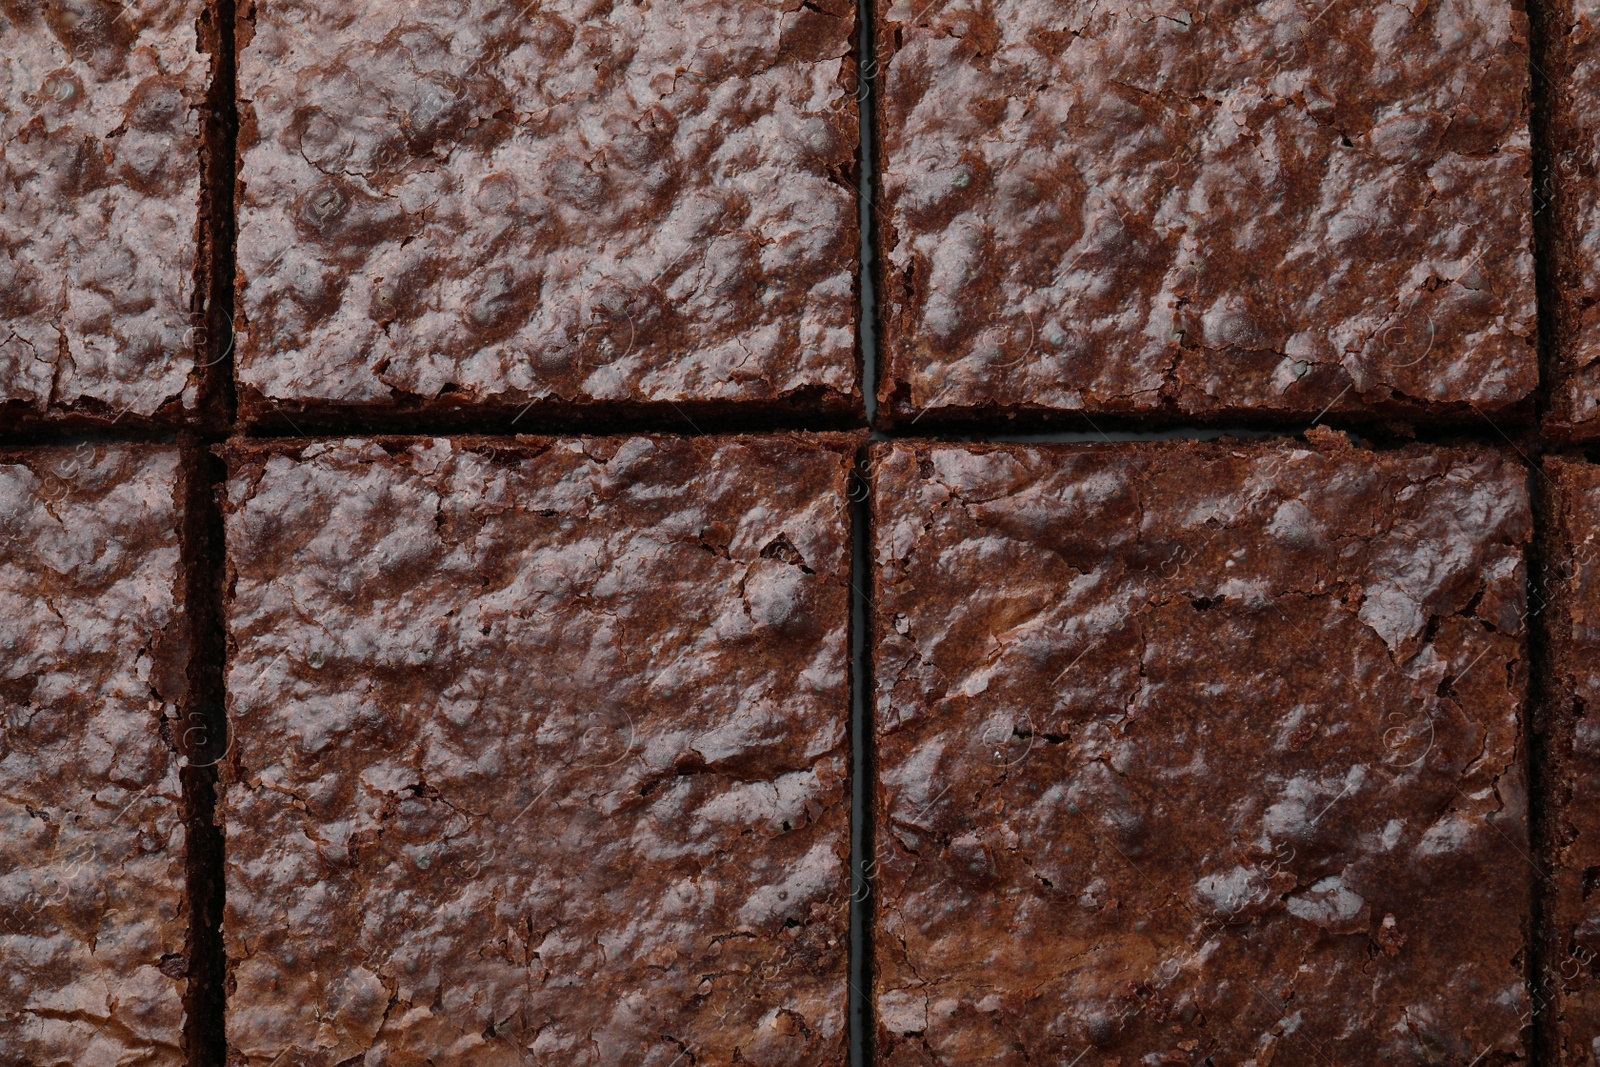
x: 1200, y: 753
x: 577, y: 206
x: 540, y: 751
x: 1570, y: 68
x: 93, y: 921
x: 104, y: 218
x: 1572, y: 757
x: 1251, y: 209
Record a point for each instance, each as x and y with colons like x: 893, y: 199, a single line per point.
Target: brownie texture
x: 1251, y: 209
x: 1570, y: 64
x: 539, y: 751
x: 93, y: 681
x: 103, y: 218
x: 1572, y: 759
x: 448, y: 206
x: 1200, y: 754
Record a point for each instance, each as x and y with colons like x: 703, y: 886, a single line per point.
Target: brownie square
x: 1571, y: 740
x: 569, y: 207
x: 1200, y: 753
x: 93, y: 681
x: 1570, y: 71
x: 1251, y: 209
x: 539, y: 751
x: 104, y: 217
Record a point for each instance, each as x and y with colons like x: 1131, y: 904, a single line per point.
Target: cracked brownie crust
x: 102, y: 281
x: 93, y: 924
x: 1200, y: 753
x: 539, y: 751
x: 476, y: 206
x: 1572, y: 754
x: 1266, y: 209
x: 1572, y: 105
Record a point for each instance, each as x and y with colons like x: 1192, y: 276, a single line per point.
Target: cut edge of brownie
x: 239, y: 451
x: 1318, y: 438
x: 1555, y: 716
x: 408, y: 414
x: 893, y: 402
x: 202, y: 673
x: 212, y: 310
x: 1555, y: 133
x: 202, y: 746
x: 862, y: 1017
x: 186, y: 598
x: 23, y: 423
x: 896, y: 412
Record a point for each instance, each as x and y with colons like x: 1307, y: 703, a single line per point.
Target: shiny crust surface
x: 100, y: 171
x: 540, y: 751
x: 93, y: 927
x: 1263, y: 209
x: 1199, y: 753
x: 1572, y: 100
x: 456, y: 202
x: 1572, y: 958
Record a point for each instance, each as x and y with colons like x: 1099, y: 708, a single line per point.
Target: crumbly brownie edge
x: 1563, y: 130
x: 1563, y: 991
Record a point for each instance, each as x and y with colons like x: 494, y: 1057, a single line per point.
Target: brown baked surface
x: 575, y: 206
x: 93, y: 924
x: 540, y: 751
x: 1572, y: 756
x: 1200, y: 753
x: 1571, y: 69
x: 102, y: 283
x: 1139, y: 208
